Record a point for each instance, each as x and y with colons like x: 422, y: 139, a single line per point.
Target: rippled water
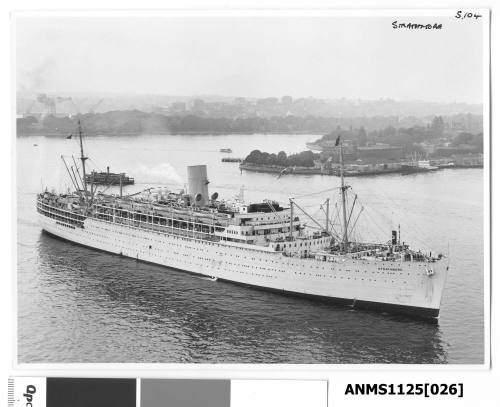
x: 80, y: 305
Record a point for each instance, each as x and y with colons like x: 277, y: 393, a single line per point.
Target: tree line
x: 303, y: 159
x: 382, y: 129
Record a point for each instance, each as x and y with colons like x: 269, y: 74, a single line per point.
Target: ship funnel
x: 198, y: 184
x: 394, y: 237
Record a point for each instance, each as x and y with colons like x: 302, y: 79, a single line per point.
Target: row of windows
x: 254, y: 259
x: 41, y: 206
x: 204, y: 259
x: 61, y: 216
x: 105, y: 240
x: 66, y: 225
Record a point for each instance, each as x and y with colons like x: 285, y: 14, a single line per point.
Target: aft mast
x: 343, y: 189
x: 82, y: 157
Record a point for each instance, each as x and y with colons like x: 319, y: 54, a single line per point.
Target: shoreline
x: 273, y: 169
x: 152, y: 133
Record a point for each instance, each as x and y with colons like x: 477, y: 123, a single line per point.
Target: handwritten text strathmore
x: 415, y: 26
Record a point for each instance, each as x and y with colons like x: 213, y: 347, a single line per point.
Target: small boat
x: 226, y: 150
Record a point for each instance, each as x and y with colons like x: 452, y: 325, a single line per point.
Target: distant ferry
x: 109, y: 178
x: 263, y: 244
x: 418, y: 166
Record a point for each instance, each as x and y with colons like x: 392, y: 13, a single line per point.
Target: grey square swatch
x: 185, y: 393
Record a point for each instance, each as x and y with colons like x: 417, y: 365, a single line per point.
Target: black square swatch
x: 75, y: 392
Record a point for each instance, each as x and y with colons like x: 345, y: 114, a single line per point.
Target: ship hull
x: 400, y: 287
x: 413, y: 311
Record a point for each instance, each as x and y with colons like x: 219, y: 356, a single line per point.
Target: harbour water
x: 80, y: 305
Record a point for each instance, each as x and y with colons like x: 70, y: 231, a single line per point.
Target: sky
x: 323, y: 57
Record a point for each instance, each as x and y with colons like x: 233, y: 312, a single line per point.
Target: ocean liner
x: 263, y: 245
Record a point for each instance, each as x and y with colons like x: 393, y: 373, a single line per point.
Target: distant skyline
x: 227, y: 98
x: 321, y: 57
